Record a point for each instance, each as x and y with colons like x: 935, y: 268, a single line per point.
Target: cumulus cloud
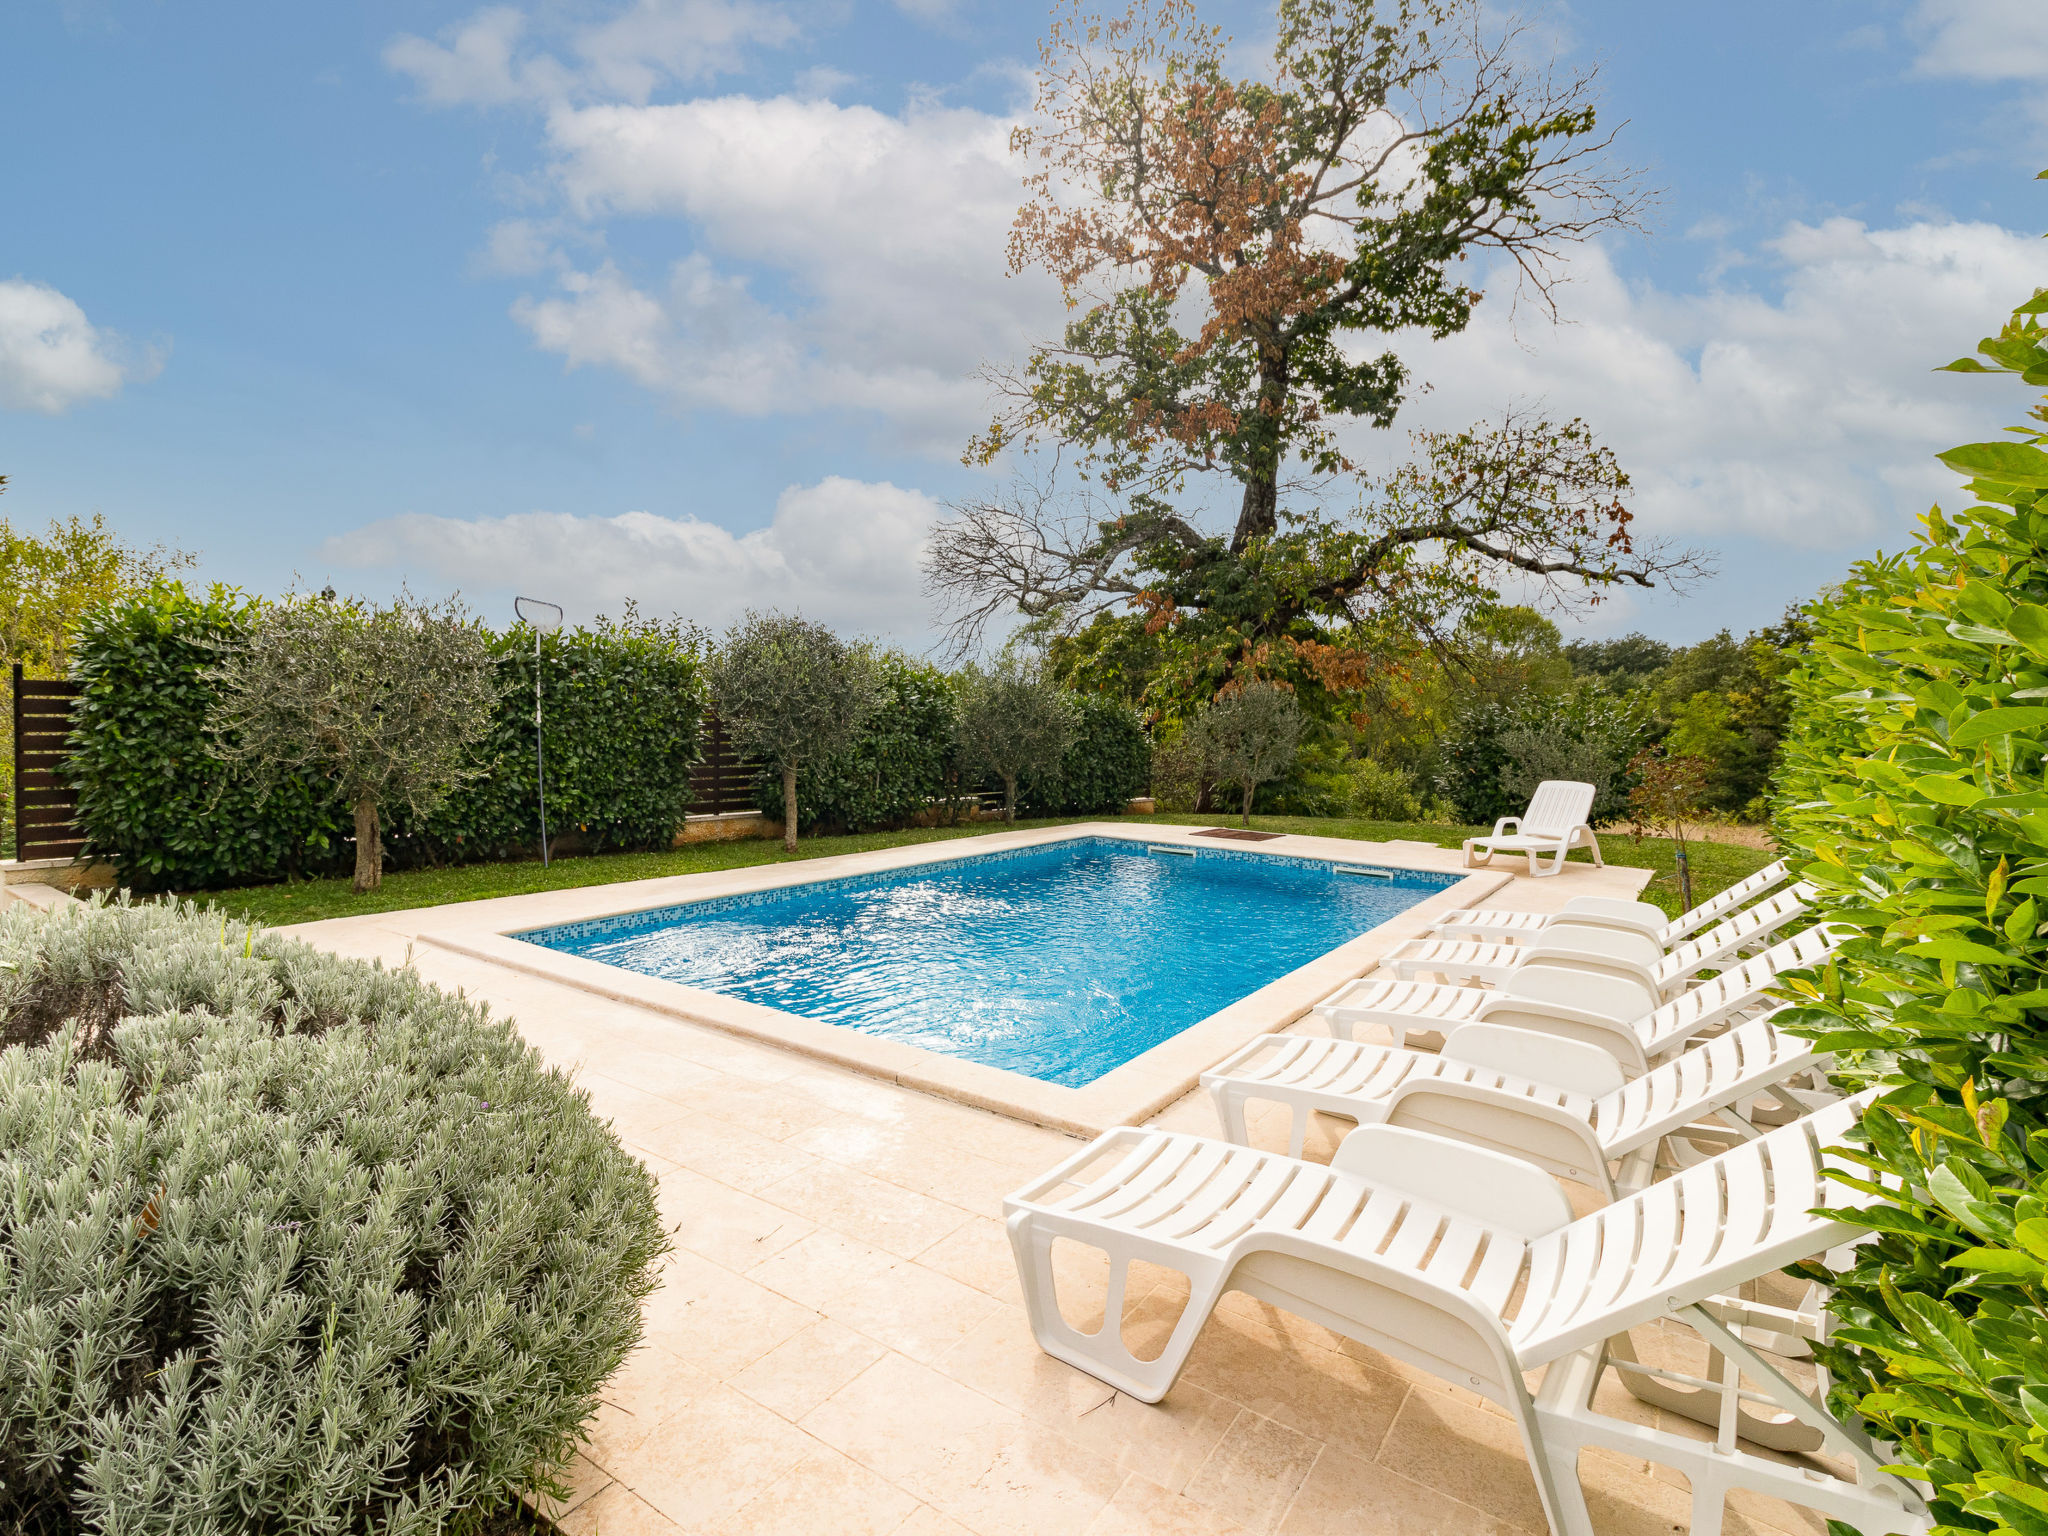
x: 889, y: 231
x: 1981, y: 39
x: 495, y: 58
x: 1808, y: 417
x: 52, y: 357
x: 846, y: 552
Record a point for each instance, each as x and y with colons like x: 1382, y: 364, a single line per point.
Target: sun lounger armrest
x: 1490, y: 1188
x: 1506, y: 824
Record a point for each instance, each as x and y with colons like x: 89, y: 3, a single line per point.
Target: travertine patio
x: 838, y: 1347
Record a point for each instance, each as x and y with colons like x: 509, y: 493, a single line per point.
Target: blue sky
x: 682, y: 299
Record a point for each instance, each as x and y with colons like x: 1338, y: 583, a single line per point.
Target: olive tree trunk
x: 1009, y: 797
x: 369, y: 848
x: 789, y: 810
x: 1250, y: 789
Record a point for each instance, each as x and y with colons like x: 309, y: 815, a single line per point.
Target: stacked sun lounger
x: 1438, y: 1232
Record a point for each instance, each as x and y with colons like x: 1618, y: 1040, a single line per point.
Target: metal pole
x: 545, y: 618
x: 540, y: 774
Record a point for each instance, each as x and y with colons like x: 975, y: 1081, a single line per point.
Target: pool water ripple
x: 1060, y: 961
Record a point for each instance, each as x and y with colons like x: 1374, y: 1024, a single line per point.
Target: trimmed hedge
x: 900, y: 762
x: 288, y: 1241
x: 1108, y: 764
x: 622, y: 703
x: 1912, y: 793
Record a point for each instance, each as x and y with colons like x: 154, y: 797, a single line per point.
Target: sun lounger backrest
x: 1729, y: 935
x: 1706, y: 1230
x: 1557, y: 806
x: 1738, y: 895
x: 1721, y: 997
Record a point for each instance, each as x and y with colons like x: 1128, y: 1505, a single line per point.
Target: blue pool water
x: 1059, y: 962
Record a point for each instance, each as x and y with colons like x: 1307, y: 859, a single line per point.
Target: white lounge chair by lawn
x: 1607, y: 912
x: 1467, y: 1264
x: 1604, y: 951
x: 1563, y: 1105
x: 1576, y: 1005
x: 1556, y: 822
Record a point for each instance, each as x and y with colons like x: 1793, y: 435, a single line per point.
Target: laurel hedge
x: 1914, y: 792
x: 288, y: 1241
x: 622, y: 707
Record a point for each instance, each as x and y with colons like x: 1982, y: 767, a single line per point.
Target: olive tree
x: 1250, y: 735
x: 388, y: 701
x: 1013, y: 721
x: 790, y: 692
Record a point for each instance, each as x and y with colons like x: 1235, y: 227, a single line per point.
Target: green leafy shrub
x: 897, y: 765
x: 622, y: 707
x: 1496, y: 752
x: 288, y: 1241
x: 153, y: 797
x: 1379, y: 793
x: 1913, y: 792
x: 1108, y: 763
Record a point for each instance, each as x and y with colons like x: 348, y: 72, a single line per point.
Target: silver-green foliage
x: 792, y: 694
x: 1015, y: 723
x: 288, y: 1242
x: 1250, y: 735
x: 387, y: 702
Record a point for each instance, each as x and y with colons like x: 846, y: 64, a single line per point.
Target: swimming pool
x: 1060, y: 961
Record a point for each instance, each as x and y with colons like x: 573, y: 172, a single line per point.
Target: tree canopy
x: 1237, y: 252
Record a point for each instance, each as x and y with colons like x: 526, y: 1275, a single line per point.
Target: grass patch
x: 1714, y: 865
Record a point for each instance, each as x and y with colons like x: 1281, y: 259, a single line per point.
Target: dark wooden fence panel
x: 722, y: 781
x: 45, y: 804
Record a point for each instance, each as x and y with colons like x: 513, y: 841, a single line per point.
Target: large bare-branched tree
x: 1231, y: 249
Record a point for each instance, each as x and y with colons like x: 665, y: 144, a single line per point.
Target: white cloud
x: 492, y: 59
x: 846, y: 552
x: 52, y: 357
x: 1981, y: 39
x: 1807, y: 419
x: 890, y: 231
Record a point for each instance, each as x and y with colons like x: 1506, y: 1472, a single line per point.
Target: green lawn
x: 1714, y: 865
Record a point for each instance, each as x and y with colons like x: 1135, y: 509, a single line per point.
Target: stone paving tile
x: 720, y: 1150
x: 825, y: 1494
x: 1255, y: 1471
x: 1143, y: 1508
x: 1346, y: 1495
x: 648, y: 1388
x: 900, y: 1304
x: 914, y: 1161
x: 707, y: 1461
x: 721, y: 1224
x: 716, y: 1320
x: 967, y: 1455
x: 800, y: 1373
x: 618, y: 1511
x: 1165, y: 1442
x: 876, y: 1211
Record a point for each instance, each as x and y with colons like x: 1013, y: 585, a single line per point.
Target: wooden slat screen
x: 722, y: 781
x: 45, y: 804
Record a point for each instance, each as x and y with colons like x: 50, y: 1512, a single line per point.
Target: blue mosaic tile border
x: 559, y: 934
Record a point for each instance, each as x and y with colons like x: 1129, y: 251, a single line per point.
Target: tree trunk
x: 369, y: 848
x: 1249, y: 790
x: 789, y: 810
x: 1684, y: 876
x: 1009, y: 797
x: 1258, y: 514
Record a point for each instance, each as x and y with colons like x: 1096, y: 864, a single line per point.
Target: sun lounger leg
x: 1102, y: 1354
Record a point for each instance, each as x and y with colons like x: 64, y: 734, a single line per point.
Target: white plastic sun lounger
x: 1606, y: 951
x: 1605, y: 912
x: 1557, y: 821
x: 1576, y: 1005
x: 1468, y: 1264
x: 1563, y: 1105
